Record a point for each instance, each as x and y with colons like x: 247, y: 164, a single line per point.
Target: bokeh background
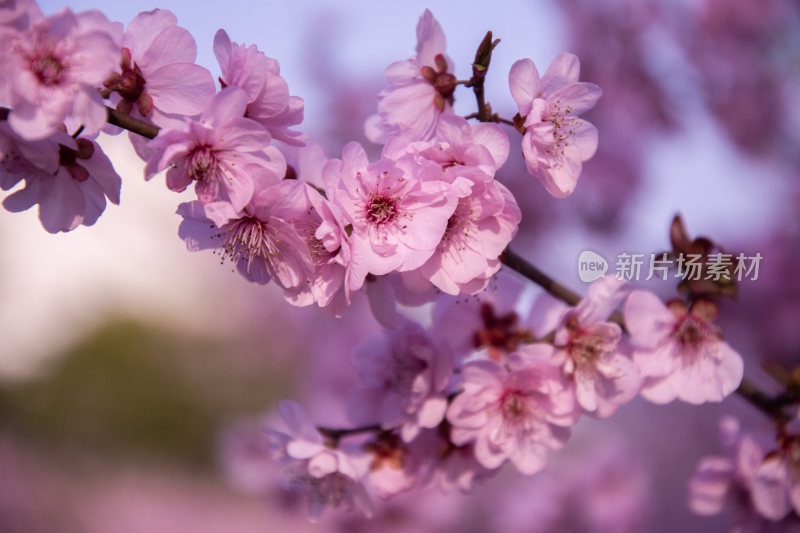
x: 128, y: 365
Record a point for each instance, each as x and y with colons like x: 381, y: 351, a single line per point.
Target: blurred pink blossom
x: 404, y: 377
x: 328, y: 475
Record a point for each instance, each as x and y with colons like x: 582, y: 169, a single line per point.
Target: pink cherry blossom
x: 157, y: 79
x: 590, y: 351
x: 482, y: 225
x: 420, y: 89
x: 69, y: 179
x: 50, y: 71
x: 268, y: 99
x: 515, y: 414
x: 324, y: 228
x: 397, y: 219
x: 556, y: 141
x: 335, y: 272
x: 405, y: 374
x: 458, y: 148
x: 328, y: 475
x: 486, y: 216
x: 679, y: 352
x: 261, y: 240
x: 216, y: 152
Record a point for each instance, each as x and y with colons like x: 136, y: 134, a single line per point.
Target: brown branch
x: 113, y: 117
x: 520, y: 265
x: 492, y: 118
x: 480, y: 67
x: 335, y: 434
x: 131, y: 124
x: 772, y: 407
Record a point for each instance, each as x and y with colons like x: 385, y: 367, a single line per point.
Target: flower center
x: 458, y: 225
x: 202, y: 164
x: 563, y: 124
x: 47, y: 69
x: 586, y: 349
x: 131, y: 83
x: 513, y: 406
x: 501, y: 334
x: 247, y: 239
x: 521, y: 412
x: 381, y: 209
x: 307, y: 228
x: 691, y: 332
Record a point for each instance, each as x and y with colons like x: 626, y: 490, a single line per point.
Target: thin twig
x: 335, y: 434
x: 520, y: 265
x: 131, y: 124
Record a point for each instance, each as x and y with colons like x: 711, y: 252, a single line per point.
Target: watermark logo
x: 591, y: 266
x: 715, y: 267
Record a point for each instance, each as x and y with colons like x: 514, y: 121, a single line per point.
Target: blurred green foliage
x: 133, y: 391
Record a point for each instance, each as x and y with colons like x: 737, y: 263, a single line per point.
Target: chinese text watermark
x: 691, y: 267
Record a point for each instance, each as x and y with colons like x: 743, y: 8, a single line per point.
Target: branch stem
x: 336, y: 434
x: 131, y: 124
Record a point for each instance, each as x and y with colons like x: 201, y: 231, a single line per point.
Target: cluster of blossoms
x: 483, y: 385
x: 429, y: 211
x: 446, y: 404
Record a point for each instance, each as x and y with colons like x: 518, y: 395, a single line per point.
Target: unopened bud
x: 145, y: 104
x: 483, y: 56
x: 445, y: 84
x: 519, y: 123
x: 126, y: 61
x: 441, y: 63
x: 428, y: 73
x: 85, y: 148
